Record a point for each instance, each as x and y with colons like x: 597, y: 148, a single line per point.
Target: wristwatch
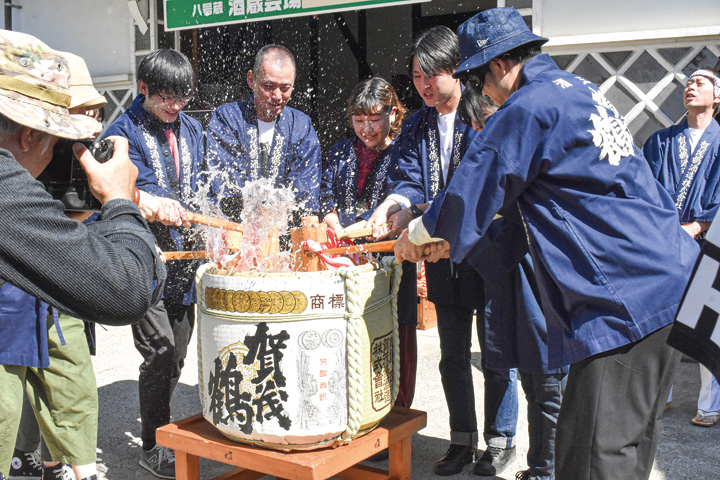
x: 416, y: 212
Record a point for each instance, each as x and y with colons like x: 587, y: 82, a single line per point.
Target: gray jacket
x: 107, y: 272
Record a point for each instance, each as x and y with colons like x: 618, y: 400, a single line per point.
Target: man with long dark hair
x: 428, y: 152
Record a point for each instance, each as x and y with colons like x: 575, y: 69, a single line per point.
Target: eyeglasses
x: 171, y: 100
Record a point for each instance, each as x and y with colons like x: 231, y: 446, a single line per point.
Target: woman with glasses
x: 353, y: 183
x: 353, y: 179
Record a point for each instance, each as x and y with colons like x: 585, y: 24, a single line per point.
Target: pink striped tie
x: 172, y: 142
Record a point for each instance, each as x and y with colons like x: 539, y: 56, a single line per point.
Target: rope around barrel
x: 354, y: 355
x: 198, y: 282
x: 394, y: 288
x: 355, y: 326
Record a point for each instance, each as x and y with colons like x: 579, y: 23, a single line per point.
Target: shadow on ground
x: 685, y: 452
x: 119, y: 436
x: 119, y: 429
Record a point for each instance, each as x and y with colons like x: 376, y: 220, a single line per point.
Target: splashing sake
x: 265, y: 214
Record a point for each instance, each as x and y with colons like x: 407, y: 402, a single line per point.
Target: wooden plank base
x: 195, y: 437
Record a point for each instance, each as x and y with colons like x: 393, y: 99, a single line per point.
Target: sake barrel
x: 297, y: 361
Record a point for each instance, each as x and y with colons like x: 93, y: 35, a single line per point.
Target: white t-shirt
x: 694, y: 134
x: 446, y: 126
x: 266, y: 130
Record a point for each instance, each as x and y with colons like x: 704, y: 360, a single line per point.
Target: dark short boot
x: 455, y: 459
x: 494, y: 461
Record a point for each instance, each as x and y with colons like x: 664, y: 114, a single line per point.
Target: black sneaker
x: 160, y: 461
x: 61, y: 471
x: 494, y: 461
x: 455, y: 459
x: 523, y: 475
x: 25, y: 465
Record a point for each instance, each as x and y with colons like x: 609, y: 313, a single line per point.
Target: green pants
x: 63, y: 397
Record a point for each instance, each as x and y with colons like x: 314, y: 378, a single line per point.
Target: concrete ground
x: 684, y: 452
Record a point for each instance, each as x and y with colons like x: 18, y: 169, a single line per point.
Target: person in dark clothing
x: 427, y: 153
x: 515, y: 331
x: 166, y: 147
x: 610, y: 258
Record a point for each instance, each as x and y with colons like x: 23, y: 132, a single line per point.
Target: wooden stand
x: 427, y: 317
x: 195, y: 437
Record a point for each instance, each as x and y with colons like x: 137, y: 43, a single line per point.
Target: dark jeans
x: 501, y: 405
x: 544, y: 393
x: 501, y: 400
x: 161, y: 338
x: 610, y: 418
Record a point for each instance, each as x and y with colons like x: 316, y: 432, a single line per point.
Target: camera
x: 65, y: 179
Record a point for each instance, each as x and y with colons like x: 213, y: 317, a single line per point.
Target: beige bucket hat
x: 82, y: 91
x: 35, y: 87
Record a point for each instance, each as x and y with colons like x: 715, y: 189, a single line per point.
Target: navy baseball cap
x: 489, y: 34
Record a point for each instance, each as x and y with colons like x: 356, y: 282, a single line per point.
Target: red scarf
x: 367, y: 158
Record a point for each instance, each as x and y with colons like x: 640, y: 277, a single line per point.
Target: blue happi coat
x: 415, y: 173
x: 149, y: 151
x: 610, y: 258
x: 515, y: 329
x: 338, y: 189
x: 23, y: 328
x: 691, y: 178
x: 233, y: 146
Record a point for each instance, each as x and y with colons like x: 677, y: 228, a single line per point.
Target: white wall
x: 560, y: 18
x: 97, y: 30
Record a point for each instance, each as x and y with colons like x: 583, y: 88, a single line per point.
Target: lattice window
x: 119, y: 99
x: 644, y: 84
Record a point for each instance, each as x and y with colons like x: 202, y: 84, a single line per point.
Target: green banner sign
x: 183, y: 14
